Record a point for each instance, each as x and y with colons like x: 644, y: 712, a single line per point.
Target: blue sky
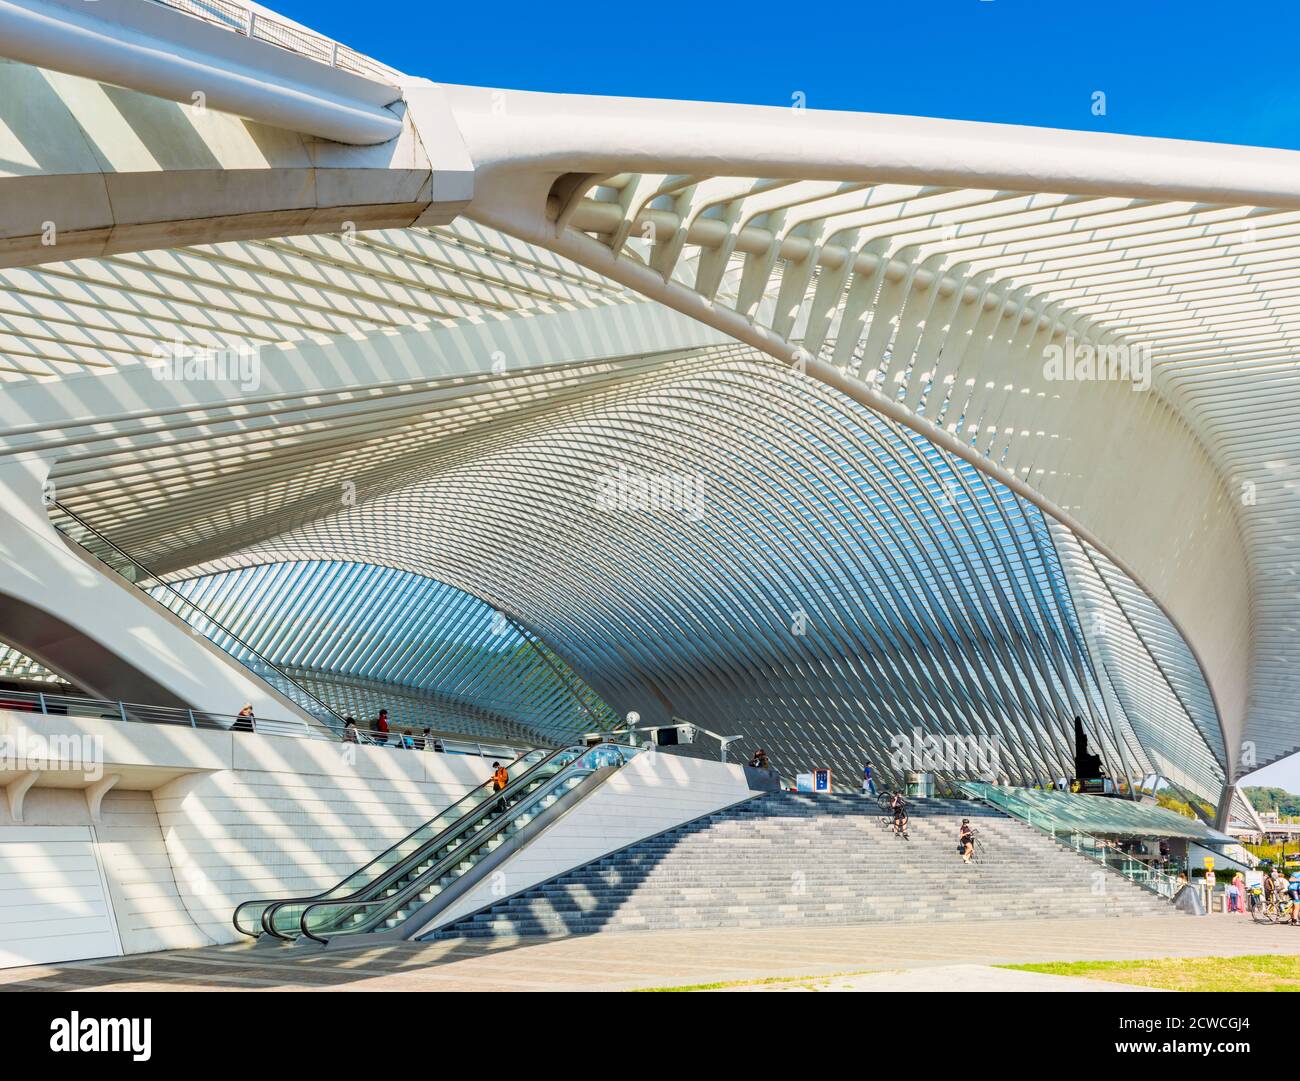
x: 1188, y: 70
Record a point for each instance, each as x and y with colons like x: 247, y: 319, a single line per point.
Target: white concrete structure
x: 958, y: 429
x: 191, y: 824
x: 152, y: 837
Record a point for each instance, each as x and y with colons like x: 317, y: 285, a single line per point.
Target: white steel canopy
x: 1012, y: 410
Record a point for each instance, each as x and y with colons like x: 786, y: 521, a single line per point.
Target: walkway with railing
x: 68, y: 705
x: 260, y: 26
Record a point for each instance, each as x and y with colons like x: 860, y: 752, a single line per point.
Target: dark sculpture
x: 1087, y: 766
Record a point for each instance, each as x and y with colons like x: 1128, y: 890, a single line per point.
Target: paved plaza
x: 867, y: 957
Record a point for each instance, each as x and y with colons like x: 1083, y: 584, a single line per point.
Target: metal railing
x: 71, y: 705
x: 443, y: 742
x: 126, y: 567
x: 262, y: 27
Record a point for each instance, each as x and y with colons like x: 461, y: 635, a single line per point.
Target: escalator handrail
x: 477, y: 840
x: 358, y: 897
x: 276, y: 902
x: 398, y: 868
x: 486, y: 833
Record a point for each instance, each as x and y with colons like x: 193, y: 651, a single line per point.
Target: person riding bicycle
x: 898, y: 809
x: 966, y: 840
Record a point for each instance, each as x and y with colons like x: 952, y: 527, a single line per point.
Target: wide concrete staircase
x: 784, y: 858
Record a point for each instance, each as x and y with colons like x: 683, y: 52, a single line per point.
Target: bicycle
x: 1275, y: 908
x: 888, y: 818
x: 898, y: 822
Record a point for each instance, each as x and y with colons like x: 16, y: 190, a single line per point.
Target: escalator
x: 397, y: 893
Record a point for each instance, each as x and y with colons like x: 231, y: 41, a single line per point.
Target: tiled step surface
x: 784, y: 858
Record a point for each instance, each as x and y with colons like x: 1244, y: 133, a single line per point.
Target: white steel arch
x: 926, y: 270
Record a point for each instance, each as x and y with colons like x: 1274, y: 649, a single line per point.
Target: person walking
x: 898, y: 809
x: 868, y: 782
x: 966, y: 840
x: 380, y: 726
x: 350, y: 730
x: 245, y: 721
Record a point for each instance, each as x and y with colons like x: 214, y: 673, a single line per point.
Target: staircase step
x: 788, y: 859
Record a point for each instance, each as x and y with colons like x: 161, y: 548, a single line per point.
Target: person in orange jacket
x: 500, y: 778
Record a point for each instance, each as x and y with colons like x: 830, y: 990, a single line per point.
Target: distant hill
x: 1273, y: 799
x: 1173, y: 803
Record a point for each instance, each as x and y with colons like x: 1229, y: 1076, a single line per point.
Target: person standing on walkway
x: 381, y: 727
x: 1237, y: 893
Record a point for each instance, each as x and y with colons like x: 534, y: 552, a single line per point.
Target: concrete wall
x: 53, y: 896
x: 652, y: 793
x: 72, y: 888
x: 200, y: 821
